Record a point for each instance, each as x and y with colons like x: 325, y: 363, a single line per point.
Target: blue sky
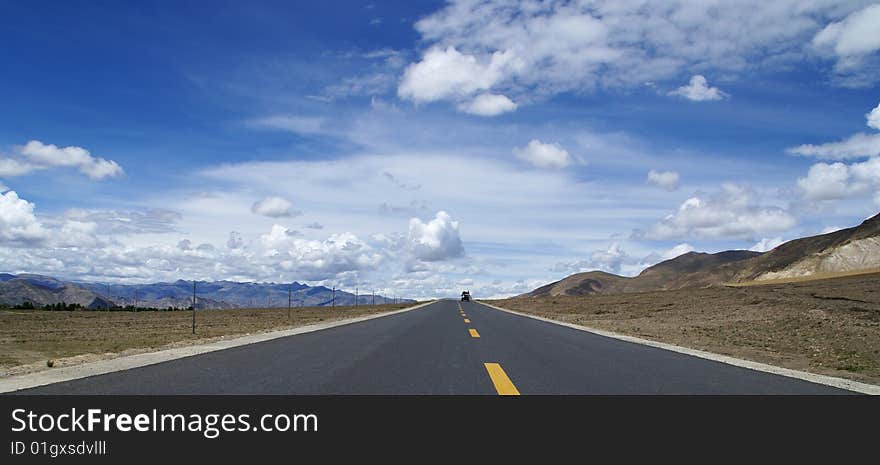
x: 422, y: 147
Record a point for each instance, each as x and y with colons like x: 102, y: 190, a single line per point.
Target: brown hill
x: 591, y: 282
x: 846, y: 250
x: 19, y: 290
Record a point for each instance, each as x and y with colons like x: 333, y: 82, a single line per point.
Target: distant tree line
x: 65, y: 307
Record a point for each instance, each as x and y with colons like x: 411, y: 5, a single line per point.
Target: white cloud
x: 852, y: 41
x: 834, y: 181
x: 609, y: 260
x: 543, y: 155
x: 698, y: 90
x: 77, y: 234
x: 18, y: 225
x: 527, y: 50
x: 676, y: 251
x: 667, y: 180
x: 319, y: 259
x: 488, y: 105
x: 436, y: 240
x: 874, y: 117
x: 766, y: 244
x: 445, y: 73
x: 274, y: 207
x: 856, y: 146
x: 732, y: 212
x: 36, y: 155
x: 614, y: 259
x: 11, y: 167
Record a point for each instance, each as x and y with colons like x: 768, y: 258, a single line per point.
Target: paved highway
x: 444, y: 348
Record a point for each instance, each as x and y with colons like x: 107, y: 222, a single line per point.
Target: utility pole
x: 135, y: 298
x: 194, y: 308
x: 288, y: 301
x: 355, y: 296
x: 333, y: 302
x: 374, y: 298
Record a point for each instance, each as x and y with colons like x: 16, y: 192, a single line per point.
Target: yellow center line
x: 466, y: 320
x: 473, y: 332
x: 502, y: 383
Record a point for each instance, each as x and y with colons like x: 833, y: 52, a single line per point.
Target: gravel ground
x: 829, y: 326
x: 30, y: 338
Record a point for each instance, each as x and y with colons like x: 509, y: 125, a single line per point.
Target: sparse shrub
x: 50, y: 363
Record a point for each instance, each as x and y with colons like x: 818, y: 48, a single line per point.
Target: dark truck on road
x: 466, y: 296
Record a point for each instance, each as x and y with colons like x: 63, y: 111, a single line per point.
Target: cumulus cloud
x: 436, y: 240
x: 874, y: 117
x: 488, y: 105
x: 71, y: 246
x: 732, y: 212
x: 838, y: 180
x: 852, y: 41
x: 543, y: 155
x: 274, y: 207
x: 446, y: 73
x: 766, y: 244
x: 667, y: 180
x: 698, y: 90
x: 35, y: 156
x: 319, y: 259
x: 78, y: 234
x: 535, y: 49
x: 18, y: 225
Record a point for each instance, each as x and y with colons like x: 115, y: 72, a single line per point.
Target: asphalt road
x: 434, y: 350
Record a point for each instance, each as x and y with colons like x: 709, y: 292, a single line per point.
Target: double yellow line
x: 503, y: 385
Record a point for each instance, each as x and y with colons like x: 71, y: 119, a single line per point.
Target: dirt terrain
x: 828, y: 326
x: 30, y: 338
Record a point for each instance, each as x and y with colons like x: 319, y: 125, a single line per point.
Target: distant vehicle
x: 466, y: 296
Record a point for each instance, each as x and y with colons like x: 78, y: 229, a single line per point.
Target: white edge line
x: 832, y: 381
x: 57, y: 375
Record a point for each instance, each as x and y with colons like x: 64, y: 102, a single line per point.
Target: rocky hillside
x: 846, y: 250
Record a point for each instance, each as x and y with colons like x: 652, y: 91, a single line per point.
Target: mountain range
x: 43, y: 290
x: 843, y: 251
